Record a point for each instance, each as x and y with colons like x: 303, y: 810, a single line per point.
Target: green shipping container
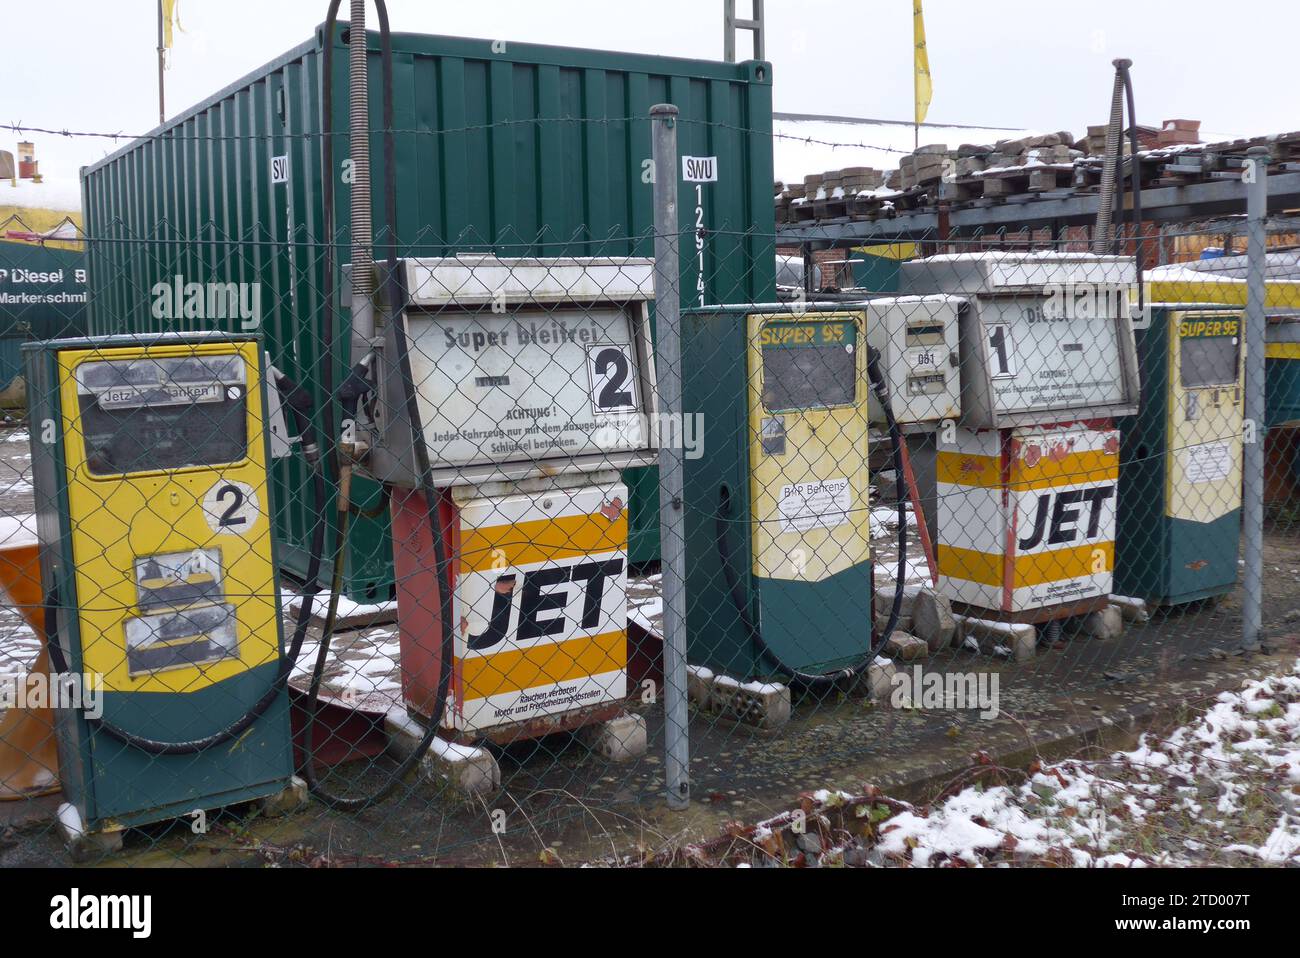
x: 534, y: 151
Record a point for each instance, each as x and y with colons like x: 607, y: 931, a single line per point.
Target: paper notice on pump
x: 1207, y: 462
x: 816, y: 504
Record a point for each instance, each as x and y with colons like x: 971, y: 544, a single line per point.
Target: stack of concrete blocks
x: 1044, y: 148
x: 834, y: 185
x: 935, y: 162
x: 930, y: 163
x: 764, y: 706
x: 847, y: 183
x: 972, y: 158
x: 926, y: 626
x: 1175, y: 132
x: 1041, y: 155
x: 925, y: 165
x: 1094, y: 144
x: 857, y: 179
x: 925, y: 617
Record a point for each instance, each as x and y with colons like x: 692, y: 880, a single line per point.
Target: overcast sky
x: 90, y: 64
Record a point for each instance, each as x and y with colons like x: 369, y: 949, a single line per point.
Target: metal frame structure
x: 1163, y: 204
x: 754, y: 25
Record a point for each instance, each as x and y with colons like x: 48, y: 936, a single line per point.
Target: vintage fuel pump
x: 778, y: 536
x: 1180, y: 480
x: 534, y: 385
x: 150, y: 470
x: 1023, y: 485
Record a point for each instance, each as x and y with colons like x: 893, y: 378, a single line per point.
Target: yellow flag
x: 922, y: 80
x: 169, y: 15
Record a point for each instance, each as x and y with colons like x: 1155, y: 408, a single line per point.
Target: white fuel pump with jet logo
x: 534, y: 386
x: 1022, y: 487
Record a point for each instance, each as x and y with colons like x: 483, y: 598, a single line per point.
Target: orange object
x: 922, y: 527
x: 29, y: 764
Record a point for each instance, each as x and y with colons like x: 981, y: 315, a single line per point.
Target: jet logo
x: 546, y: 613
x: 1060, y: 516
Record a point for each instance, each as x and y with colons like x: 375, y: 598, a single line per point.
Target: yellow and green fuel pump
x: 1179, y: 511
x: 150, y: 471
x: 777, y: 526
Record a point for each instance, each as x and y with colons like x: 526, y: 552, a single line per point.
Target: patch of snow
x: 17, y: 530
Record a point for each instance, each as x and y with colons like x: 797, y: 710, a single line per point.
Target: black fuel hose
x: 394, y: 295
x: 825, y: 679
x: 298, y: 404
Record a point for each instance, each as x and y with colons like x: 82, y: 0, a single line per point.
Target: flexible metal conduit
x: 1102, y: 235
x: 363, y: 280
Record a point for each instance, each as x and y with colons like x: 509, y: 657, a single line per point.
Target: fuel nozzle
x: 298, y: 401
x: 355, y: 389
x: 876, y: 375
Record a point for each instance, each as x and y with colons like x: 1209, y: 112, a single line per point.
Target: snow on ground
x: 359, y: 664
x: 884, y: 521
x: 1223, y: 789
x: 347, y: 609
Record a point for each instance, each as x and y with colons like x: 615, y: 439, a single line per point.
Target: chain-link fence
x: 588, y: 527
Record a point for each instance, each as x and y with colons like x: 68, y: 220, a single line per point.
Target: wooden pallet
x: 1157, y: 168
x: 1029, y: 179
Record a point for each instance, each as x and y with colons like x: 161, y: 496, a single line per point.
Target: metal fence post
x: 668, y: 363
x: 1253, y: 456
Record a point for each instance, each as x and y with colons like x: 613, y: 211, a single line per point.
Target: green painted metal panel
x: 1283, y: 391
x: 879, y: 274
x: 537, y: 151
x: 11, y: 361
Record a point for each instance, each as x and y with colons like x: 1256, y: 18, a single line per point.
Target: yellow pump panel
x: 187, y: 525
x: 809, y: 481
x: 1203, y: 481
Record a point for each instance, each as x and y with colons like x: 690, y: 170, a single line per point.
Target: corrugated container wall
x: 536, y: 151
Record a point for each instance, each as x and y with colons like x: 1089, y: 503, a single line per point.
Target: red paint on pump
x: 419, y: 598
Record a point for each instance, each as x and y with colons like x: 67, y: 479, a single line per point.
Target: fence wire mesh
x: 926, y: 483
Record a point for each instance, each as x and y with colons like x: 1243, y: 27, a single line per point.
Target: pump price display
x: 167, y: 412
x: 808, y: 365
x: 526, y: 385
x: 1043, y: 358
